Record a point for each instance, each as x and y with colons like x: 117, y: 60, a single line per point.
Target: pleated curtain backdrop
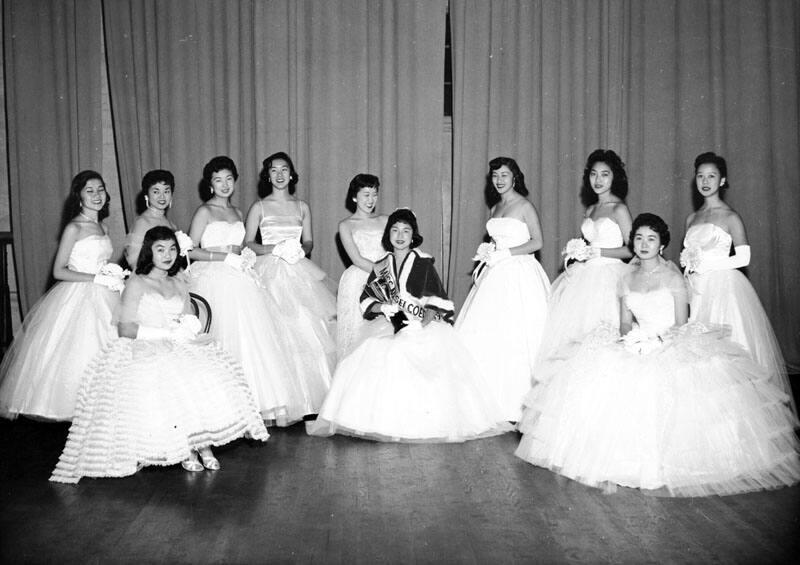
x: 53, y: 82
x: 343, y: 86
x: 658, y: 81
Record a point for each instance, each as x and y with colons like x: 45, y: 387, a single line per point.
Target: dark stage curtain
x: 658, y: 81
x: 53, y: 81
x: 343, y: 86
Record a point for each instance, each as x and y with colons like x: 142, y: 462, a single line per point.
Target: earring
x: 661, y: 250
x: 212, y: 190
x: 146, y: 201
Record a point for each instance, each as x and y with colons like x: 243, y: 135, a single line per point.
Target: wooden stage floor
x: 298, y: 499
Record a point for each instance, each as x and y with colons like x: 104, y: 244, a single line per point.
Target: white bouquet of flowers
x: 112, y: 276
x: 248, y: 259
x: 484, y: 249
x: 576, y: 250
x: 290, y: 250
x: 638, y: 341
x: 185, y: 328
x: 185, y: 243
x: 691, y: 258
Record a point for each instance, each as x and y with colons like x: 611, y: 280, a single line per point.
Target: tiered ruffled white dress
x: 728, y: 299
x: 503, y: 318
x: 350, y: 322
x: 307, y: 306
x: 586, y: 293
x: 150, y: 402
x: 691, y: 414
x: 419, y: 385
x: 64, y: 330
x: 244, y: 323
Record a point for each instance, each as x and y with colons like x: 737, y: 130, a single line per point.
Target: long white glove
x: 740, y: 258
x: 110, y: 282
x: 234, y: 260
x: 497, y: 256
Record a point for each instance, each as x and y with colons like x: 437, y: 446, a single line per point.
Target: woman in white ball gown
x: 158, y: 187
x: 246, y: 319
x: 69, y: 325
x: 419, y: 384
x: 720, y: 293
x: 360, y: 235
x: 160, y: 394
x: 298, y: 286
x: 503, y: 318
x: 585, y: 294
x: 672, y: 407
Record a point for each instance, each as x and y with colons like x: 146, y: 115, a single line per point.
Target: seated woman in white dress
x: 161, y: 394
x: 502, y: 321
x: 419, y: 384
x: 246, y: 318
x: 158, y: 187
x: 68, y: 326
x: 673, y: 407
x: 300, y: 288
x: 360, y: 235
x: 720, y: 293
x: 585, y: 294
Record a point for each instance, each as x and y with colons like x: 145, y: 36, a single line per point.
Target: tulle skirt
x: 418, y: 385
x: 350, y: 322
x: 581, y: 298
x: 153, y: 402
x: 502, y: 323
x: 308, y: 309
x: 726, y: 298
x: 694, y: 417
x: 65, y: 329
x: 246, y: 322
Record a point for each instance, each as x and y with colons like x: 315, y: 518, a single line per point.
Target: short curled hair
x: 653, y: 222
x: 265, y: 184
x: 401, y: 216
x: 711, y: 158
x: 619, y: 184
x: 491, y: 194
x: 156, y: 176
x: 78, y: 184
x: 361, y: 180
x: 145, y: 262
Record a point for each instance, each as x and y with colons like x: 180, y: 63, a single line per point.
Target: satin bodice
x: 654, y: 309
x: 90, y: 253
x: 275, y: 229
x: 507, y: 232
x: 220, y: 234
x: 710, y: 238
x: 602, y: 232
x: 368, y: 242
x: 157, y: 311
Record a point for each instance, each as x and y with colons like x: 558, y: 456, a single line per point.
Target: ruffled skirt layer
x: 246, y: 322
x: 416, y: 386
x: 726, y: 298
x: 62, y: 333
x: 695, y: 417
x: 502, y: 323
x: 581, y: 298
x: 350, y: 322
x: 153, y: 402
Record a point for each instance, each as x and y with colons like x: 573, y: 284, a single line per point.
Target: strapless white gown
x: 502, y: 320
x: 64, y: 330
x: 150, y: 402
x: 306, y: 305
x: 694, y: 416
x: 244, y: 324
x: 727, y: 298
x: 350, y: 321
x: 585, y: 295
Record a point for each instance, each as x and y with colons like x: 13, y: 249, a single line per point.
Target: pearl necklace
x: 88, y: 218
